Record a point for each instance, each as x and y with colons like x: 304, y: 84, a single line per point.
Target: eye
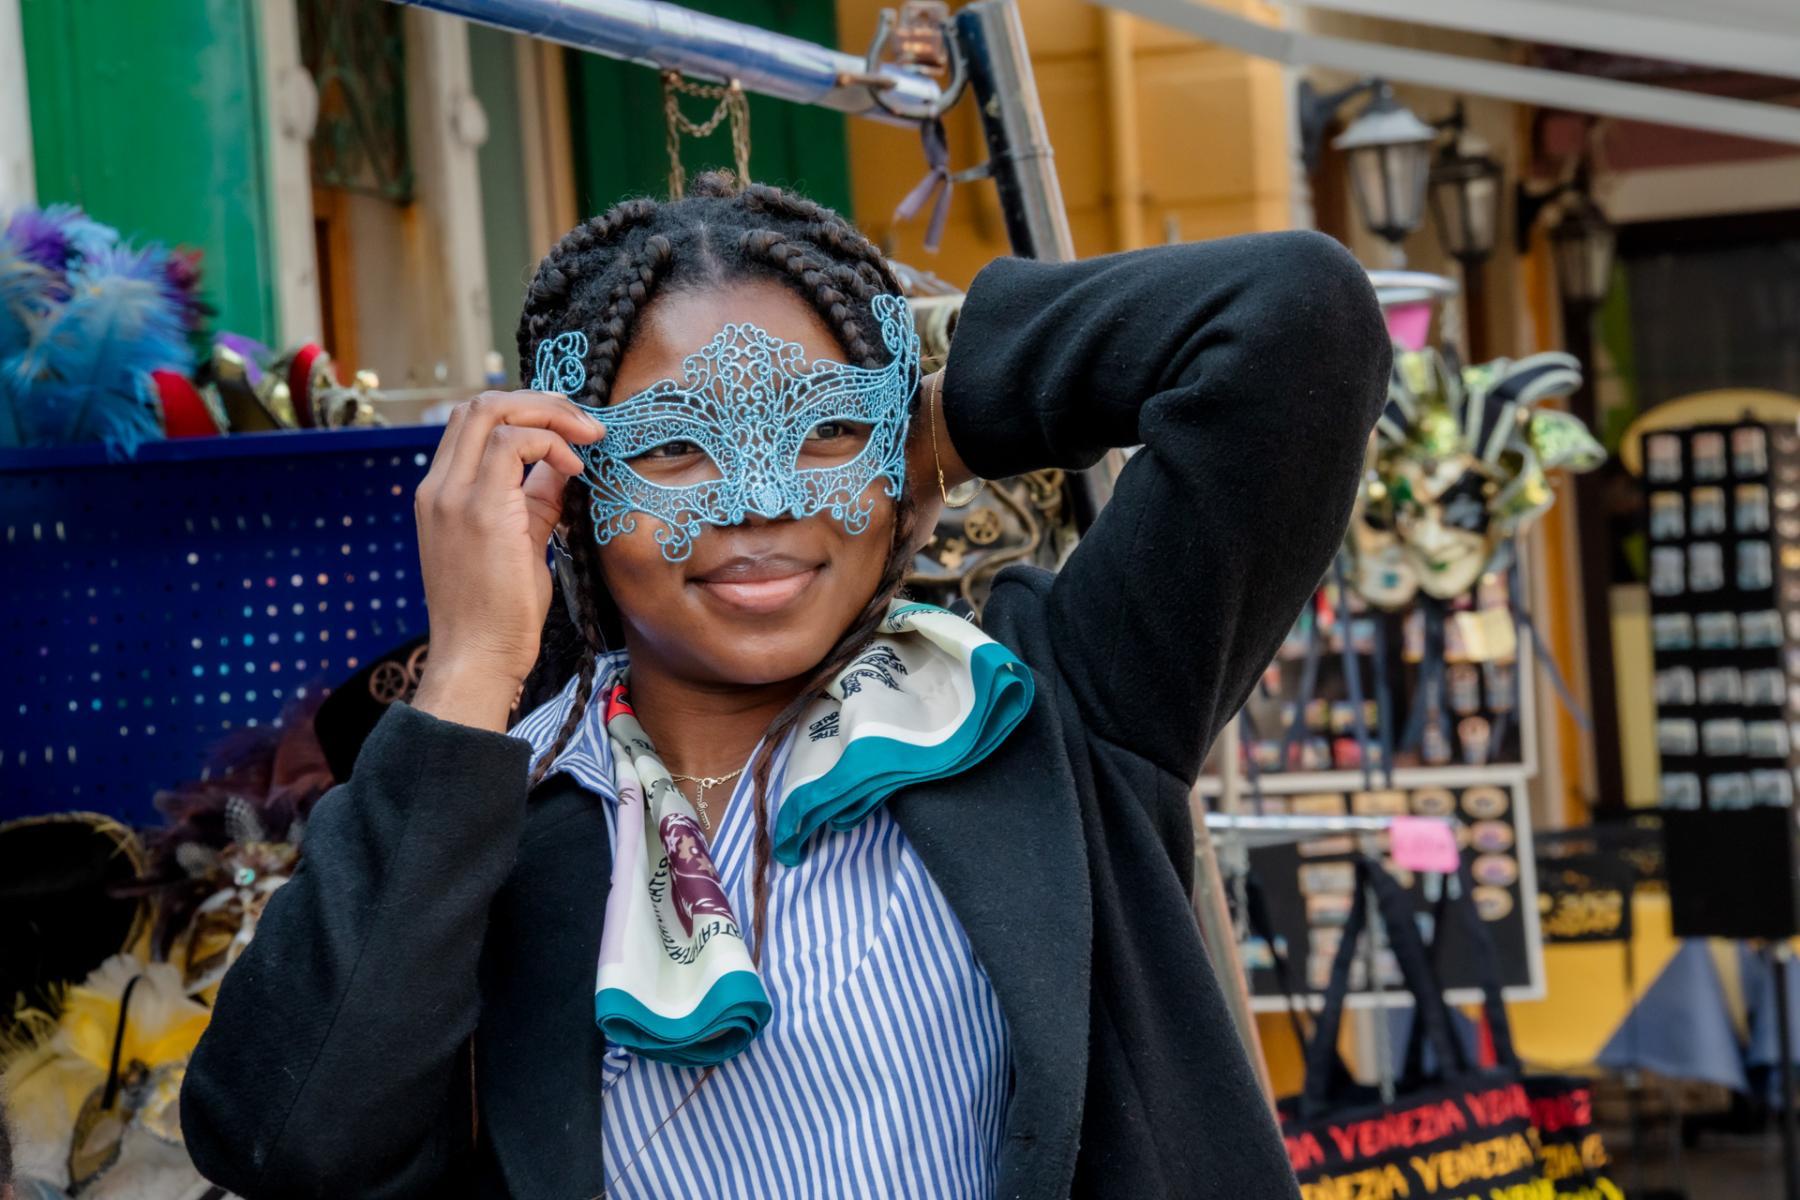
x: 825, y: 431
x: 672, y: 450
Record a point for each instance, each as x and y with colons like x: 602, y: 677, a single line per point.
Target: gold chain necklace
x: 701, y: 783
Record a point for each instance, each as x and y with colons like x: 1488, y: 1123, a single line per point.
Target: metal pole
x: 1023, y: 168
x: 1779, y: 957
x: 669, y: 37
x: 1593, y: 532
x: 1019, y: 155
x: 1213, y: 912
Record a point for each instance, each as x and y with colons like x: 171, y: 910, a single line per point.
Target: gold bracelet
x: 979, y: 484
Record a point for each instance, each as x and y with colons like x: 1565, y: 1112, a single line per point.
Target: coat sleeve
x: 1250, y: 370
x: 334, y: 1062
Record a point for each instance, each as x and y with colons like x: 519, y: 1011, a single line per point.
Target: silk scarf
x: 928, y: 698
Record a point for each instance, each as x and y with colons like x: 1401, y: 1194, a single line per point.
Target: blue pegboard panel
x: 157, y: 604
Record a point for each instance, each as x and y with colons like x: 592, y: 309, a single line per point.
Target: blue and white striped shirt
x: 885, y: 1069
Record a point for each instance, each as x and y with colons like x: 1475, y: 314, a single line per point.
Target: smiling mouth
x: 758, y: 583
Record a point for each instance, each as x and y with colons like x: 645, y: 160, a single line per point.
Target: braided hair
x: 600, y: 277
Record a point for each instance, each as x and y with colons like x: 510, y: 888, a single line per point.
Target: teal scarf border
x: 734, y: 1010
x: 874, y: 768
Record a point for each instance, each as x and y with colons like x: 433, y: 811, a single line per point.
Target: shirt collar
x: 588, y: 757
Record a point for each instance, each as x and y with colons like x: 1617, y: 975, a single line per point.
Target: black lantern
x: 1465, y: 200
x: 1583, y: 243
x: 1389, y: 152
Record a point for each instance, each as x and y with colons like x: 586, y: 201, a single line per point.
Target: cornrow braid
x: 825, y: 228
x: 808, y: 271
x: 550, y: 286
x: 600, y: 278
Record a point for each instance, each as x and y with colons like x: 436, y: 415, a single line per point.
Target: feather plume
x: 58, y: 236
x: 85, y: 375
x: 25, y: 290
x: 25, y: 294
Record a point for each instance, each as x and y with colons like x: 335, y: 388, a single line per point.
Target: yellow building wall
x: 1207, y: 126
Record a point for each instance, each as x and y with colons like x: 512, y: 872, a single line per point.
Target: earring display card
x: 1723, y: 517
x: 1309, y: 888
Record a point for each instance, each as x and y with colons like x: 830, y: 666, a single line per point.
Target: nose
x: 765, y: 500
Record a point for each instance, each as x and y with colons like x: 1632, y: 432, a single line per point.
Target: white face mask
x: 1382, y: 572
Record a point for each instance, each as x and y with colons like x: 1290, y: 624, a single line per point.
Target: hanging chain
x: 729, y: 103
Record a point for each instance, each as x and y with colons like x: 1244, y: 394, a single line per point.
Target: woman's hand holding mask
x: 486, y: 510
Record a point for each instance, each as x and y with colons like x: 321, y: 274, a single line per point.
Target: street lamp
x: 1582, y: 242
x: 1465, y: 198
x: 1389, y: 154
x: 1465, y: 206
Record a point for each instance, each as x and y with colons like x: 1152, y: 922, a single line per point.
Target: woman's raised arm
x: 1251, y: 371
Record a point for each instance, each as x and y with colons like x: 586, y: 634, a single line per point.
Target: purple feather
x: 181, y: 284
x: 38, y: 238
x: 52, y: 237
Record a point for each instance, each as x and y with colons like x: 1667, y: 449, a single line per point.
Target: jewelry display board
x: 1308, y: 887
x: 1478, y: 739
x: 1471, y: 718
x: 1724, y: 563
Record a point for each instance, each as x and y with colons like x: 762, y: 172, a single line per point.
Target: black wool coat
x: 439, y: 901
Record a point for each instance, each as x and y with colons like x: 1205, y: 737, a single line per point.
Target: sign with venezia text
x: 1513, y: 1141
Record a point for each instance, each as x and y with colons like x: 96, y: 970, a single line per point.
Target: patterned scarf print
x: 930, y: 697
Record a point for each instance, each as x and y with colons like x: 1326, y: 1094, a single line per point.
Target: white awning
x: 1760, y: 36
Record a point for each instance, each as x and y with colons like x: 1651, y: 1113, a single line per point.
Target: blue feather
x: 25, y: 290
x: 85, y: 374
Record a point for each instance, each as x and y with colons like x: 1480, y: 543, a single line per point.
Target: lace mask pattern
x: 748, y: 400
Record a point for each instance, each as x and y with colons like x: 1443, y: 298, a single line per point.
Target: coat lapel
x: 1003, y: 842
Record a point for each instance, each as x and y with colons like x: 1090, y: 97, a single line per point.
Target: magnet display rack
x: 1724, y: 534
x: 1302, y: 876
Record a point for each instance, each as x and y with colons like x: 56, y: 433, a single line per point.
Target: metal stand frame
x: 1779, y: 956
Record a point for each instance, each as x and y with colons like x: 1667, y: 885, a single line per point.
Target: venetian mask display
x: 1457, y: 467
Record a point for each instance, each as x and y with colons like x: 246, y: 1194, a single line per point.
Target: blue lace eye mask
x: 748, y: 400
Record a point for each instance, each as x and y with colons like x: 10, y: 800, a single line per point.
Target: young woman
x: 883, y: 904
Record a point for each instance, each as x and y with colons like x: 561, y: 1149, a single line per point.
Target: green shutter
x: 620, y: 143
x: 149, y: 114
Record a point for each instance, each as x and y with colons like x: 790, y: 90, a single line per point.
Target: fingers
x: 491, y: 411
x: 446, y: 447
x: 544, y: 486
x: 512, y: 448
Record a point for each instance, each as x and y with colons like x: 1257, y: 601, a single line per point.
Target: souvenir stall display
x: 1309, y: 887
x: 122, y: 939
x: 1404, y: 689
x: 181, y: 599
x: 102, y: 341
x: 1458, y: 470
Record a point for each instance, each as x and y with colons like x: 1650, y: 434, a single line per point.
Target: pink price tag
x: 1424, y: 844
